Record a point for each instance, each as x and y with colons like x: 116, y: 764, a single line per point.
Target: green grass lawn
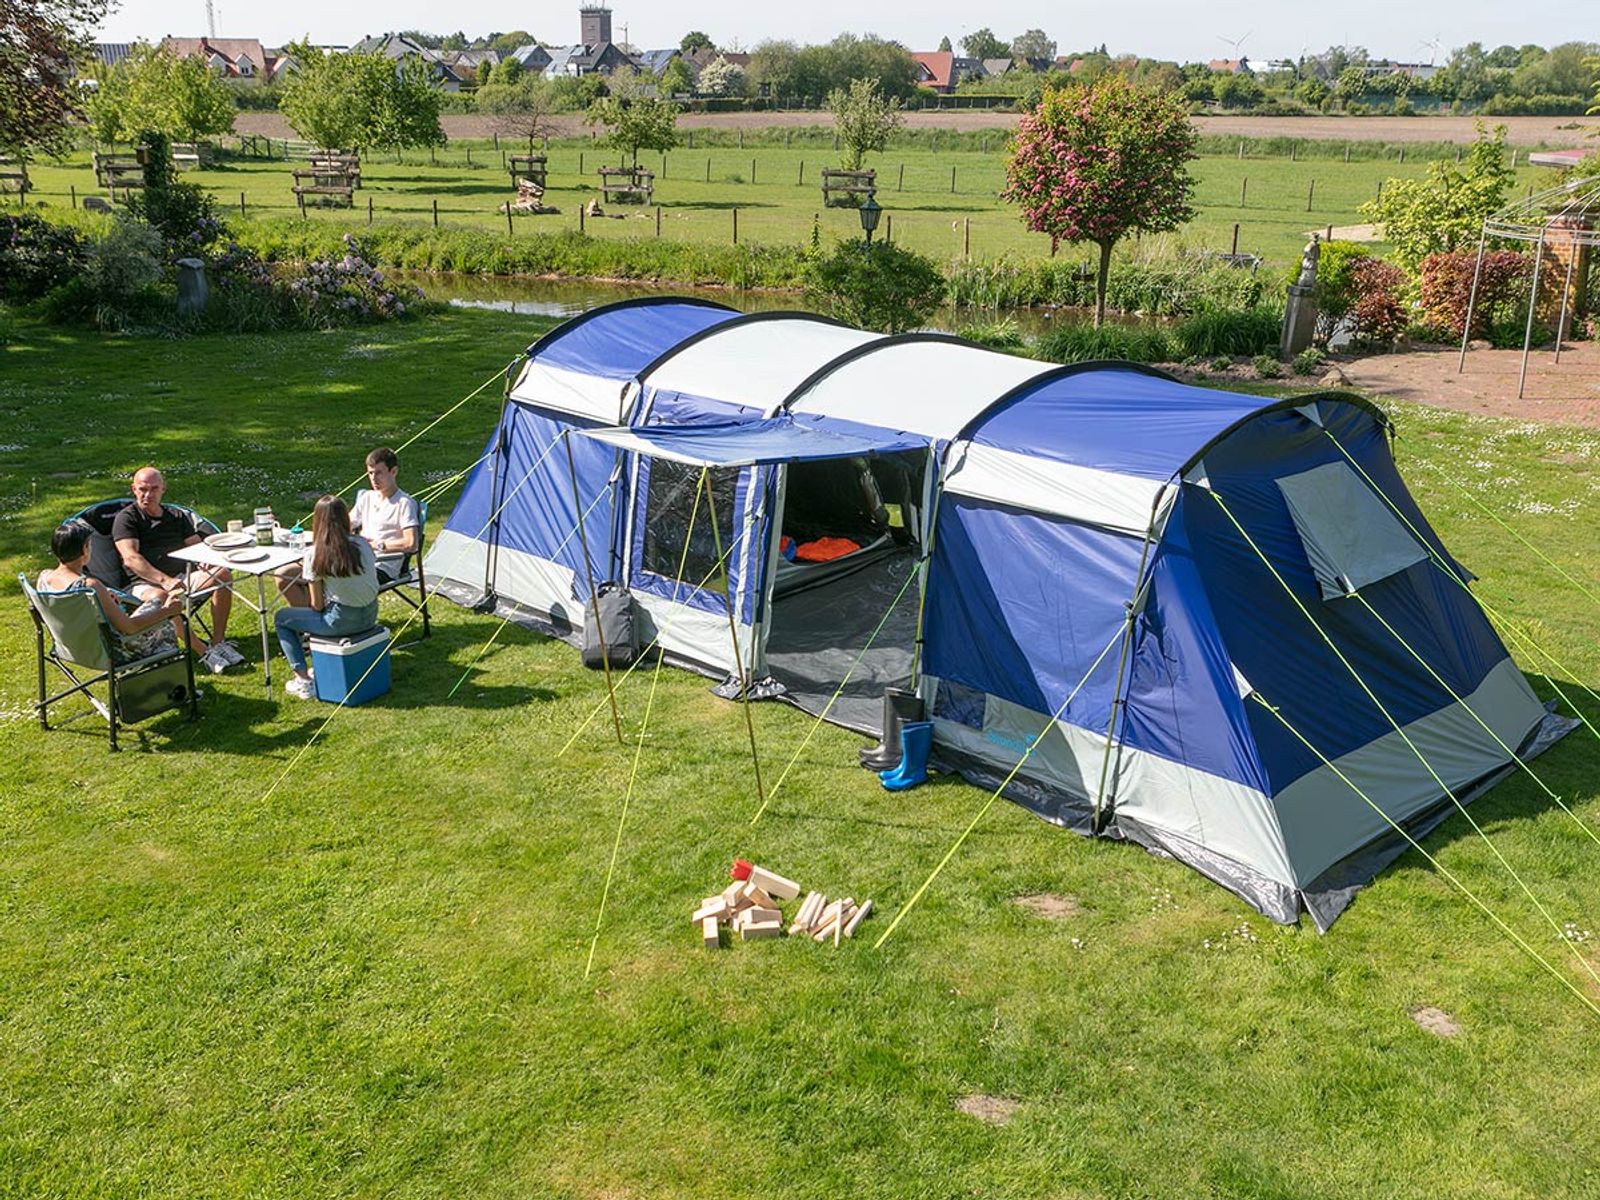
x: 775, y: 207
x: 371, y: 981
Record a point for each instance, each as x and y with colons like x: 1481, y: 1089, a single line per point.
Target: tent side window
x: 1351, y: 538
x: 669, y: 503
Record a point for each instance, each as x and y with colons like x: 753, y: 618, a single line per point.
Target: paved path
x: 1567, y: 393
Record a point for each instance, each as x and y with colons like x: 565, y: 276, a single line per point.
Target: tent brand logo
x: 1020, y: 745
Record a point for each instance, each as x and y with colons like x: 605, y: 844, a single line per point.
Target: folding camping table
x: 272, y: 557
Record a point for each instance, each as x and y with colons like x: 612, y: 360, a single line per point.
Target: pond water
x: 569, y: 297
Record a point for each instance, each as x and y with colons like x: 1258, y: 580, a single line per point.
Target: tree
x: 1564, y: 71
x: 361, y: 101
x: 508, y: 43
x: 634, y: 121
x: 154, y: 89
x: 772, y: 68
x: 1094, y: 164
x: 1447, y: 208
x: 944, y: 45
x: 982, y: 43
x: 864, y: 117
x: 405, y: 111
x: 678, y: 78
x: 1034, y: 44
x: 821, y: 69
x: 1236, y: 89
x: 695, y: 40
x: 521, y: 109
x: 507, y: 70
x: 485, y: 73
x: 722, y: 78
x: 40, y: 41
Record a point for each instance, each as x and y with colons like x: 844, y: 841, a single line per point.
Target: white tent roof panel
x: 928, y: 388
x: 756, y: 363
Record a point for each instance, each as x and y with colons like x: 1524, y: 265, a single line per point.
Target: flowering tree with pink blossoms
x: 1096, y: 163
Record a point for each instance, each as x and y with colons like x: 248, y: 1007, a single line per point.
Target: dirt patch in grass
x: 1052, y: 906
x: 991, y: 1110
x: 1435, y: 1021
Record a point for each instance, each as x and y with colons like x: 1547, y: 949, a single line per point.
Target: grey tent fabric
x: 1350, y: 535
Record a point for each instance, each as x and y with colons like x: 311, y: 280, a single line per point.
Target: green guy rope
x: 1404, y: 736
x: 838, y: 691
x: 1012, y: 774
x: 638, y: 753
x: 1431, y: 860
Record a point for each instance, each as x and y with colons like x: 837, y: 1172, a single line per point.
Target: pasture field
x: 940, y: 201
x: 277, y: 954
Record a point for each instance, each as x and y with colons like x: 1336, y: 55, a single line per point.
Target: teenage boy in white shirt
x: 388, y: 518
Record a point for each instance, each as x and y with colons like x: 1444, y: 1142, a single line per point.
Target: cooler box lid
x: 357, y: 644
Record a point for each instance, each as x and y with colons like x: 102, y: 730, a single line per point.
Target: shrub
x: 346, y: 291
x: 1160, y: 284
x: 127, y: 261
x: 1446, y: 286
x: 1267, y: 366
x: 1221, y: 363
x: 1084, y: 343
x: 1378, y: 314
x: 1335, y: 288
x: 1229, y: 331
x: 36, y: 255
x: 1309, y: 361
x: 999, y: 334
x: 881, y: 286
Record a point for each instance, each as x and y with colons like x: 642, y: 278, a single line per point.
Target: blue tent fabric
x: 621, y: 341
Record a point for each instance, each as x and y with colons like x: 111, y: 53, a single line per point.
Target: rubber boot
x: 899, y: 706
x: 916, y: 739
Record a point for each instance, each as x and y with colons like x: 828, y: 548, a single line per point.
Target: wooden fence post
x: 1235, y: 238
x: 1311, y: 194
x: 1244, y: 187
x: 436, y: 214
x: 1294, y: 149
x: 888, y: 227
x: 510, y: 232
x: 1402, y: 154
x: 735, y: 226
x: 1380, y: 189
x: 752, y: 170
x: 241, y: 204
x: 801, y: 182
x: 496, y: 136
x: 580, y: 162
x: 1329, y: 236
x: 708, y: 168
x: 369, y: 208
x: 1347, y: 152
x: 581, y: 209
x: 658, y: 220
x: 966, y: 236
x: 1241, y: 149
x: 901, y: 186
x: 469, y: 156
x: 952, y: 179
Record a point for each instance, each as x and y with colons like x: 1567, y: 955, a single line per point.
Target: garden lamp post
x: 870, y: 212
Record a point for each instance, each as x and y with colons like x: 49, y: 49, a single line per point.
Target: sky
x: 1171, y: 29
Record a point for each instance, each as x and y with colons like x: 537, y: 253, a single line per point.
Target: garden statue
x: 1300, y: 313
x: 192, y: 290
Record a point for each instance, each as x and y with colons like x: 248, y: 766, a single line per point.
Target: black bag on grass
x: 618, y: 622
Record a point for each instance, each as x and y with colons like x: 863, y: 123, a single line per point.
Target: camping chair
x: 412, y: 576
x: 105, y: 564
x: 81, y: 641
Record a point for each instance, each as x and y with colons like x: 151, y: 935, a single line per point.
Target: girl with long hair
x: 342, y: 577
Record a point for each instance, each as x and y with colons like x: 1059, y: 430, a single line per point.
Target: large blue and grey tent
x: 1220, y: 621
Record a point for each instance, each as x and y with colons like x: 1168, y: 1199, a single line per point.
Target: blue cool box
x: 352, y: 670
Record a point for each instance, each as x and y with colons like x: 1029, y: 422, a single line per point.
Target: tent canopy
x: 748, y: 443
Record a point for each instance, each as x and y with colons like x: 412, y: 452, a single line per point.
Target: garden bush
x: 1335, y: 288
x: 1084, y: 343
x: 37, y: 255
x: 1446, y: 289
x: 1001, y: 333
x: 1243, y: 332
x: 1378, y: 313
x: 1309, y: 361
x: 1267, y: 366
x: 879, y: 286
x: 1159, y: 284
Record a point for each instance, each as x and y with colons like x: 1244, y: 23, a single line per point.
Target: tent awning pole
x: 594, y: 592
x: 733, y: 631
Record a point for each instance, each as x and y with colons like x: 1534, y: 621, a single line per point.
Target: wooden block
x: 810, y: 909
x: 732, y: 894
x: 823, y: 926
x: 708, y: 932
x: 775, y: 886
x: 761, y: 929
x: 860, y: 915
x: 715, y: 907
x: 757, y: 897
x: 760, y: 916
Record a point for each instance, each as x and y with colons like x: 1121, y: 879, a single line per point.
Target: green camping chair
x: 82, y: 649
x: 412, y: 577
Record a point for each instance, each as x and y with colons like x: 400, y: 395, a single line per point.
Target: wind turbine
x: 211, y: 19
x: 1433, y: 45
x: 1237, y: 43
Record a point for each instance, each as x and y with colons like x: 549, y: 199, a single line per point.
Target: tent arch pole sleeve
x: 499, y: 460
x: 594, y: 591
x: 1404, y: 737
x: 733, y: 632
x: 1472, y: 299
x: 1102, y: 810
x: 933, y: 492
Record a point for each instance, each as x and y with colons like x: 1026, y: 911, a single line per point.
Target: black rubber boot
x: 899, y: 706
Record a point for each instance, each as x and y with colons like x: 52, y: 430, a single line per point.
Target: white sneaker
x: 304, y: 688
x: 215, y: 660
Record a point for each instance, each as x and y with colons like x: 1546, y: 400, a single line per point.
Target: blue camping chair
x: 83, y: 647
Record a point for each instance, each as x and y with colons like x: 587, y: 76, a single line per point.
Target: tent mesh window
x: 669, y: 503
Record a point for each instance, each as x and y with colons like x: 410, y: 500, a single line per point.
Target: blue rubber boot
x: 916, y: 739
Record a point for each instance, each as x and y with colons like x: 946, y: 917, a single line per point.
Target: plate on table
x: 248, y: 555
x: 230, y: 541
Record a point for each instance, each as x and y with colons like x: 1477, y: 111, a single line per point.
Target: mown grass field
x: 369, y: 979
x: 765, y: 186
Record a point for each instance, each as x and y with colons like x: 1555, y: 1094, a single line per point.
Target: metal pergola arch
x: 1570, y: 212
